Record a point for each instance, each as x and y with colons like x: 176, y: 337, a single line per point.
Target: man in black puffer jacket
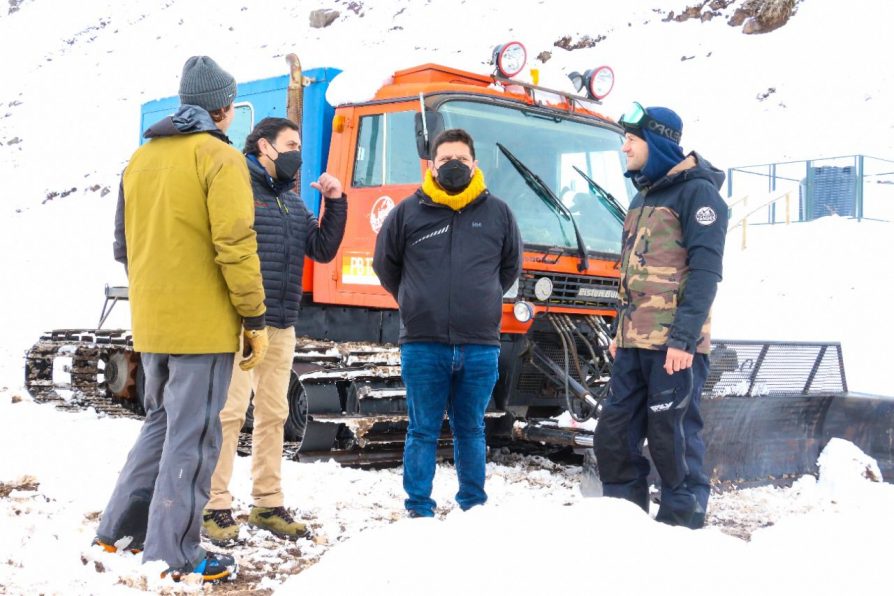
x: 287, y: 232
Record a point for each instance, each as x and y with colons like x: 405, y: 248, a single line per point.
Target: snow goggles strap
x: 638, y: 119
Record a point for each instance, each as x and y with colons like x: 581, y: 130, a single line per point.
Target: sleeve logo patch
x: 705, y: 216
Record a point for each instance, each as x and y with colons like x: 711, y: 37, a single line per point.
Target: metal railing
x: 856, y: 186
x: 743, y: 221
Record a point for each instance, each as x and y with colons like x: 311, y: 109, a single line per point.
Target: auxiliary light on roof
x: 510, y: 58
x: 598, y: 82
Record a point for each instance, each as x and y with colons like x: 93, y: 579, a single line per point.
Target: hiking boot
x: 110, y: 547
x: 219, y: 525
x: 214, y: 567
x: 278, y: 521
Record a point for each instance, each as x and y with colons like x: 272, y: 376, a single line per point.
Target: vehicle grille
x: 571, y: 290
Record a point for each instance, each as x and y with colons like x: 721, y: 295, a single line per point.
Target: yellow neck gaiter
x: 459, y: 200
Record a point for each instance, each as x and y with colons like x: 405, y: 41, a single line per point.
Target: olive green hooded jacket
x: 184, y: 232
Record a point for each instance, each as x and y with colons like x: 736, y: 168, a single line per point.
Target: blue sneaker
x: 214, y: 567
x: 413, y: 513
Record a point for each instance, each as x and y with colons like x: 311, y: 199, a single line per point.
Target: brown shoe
x: 219, y: 525
x: 278, y: 521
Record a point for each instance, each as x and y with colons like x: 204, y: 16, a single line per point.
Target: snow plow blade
x: 756, y: 438
x: 770, y: 408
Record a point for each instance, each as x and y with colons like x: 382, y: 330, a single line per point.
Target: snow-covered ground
x: 537, y: 535
x: 74, y: 75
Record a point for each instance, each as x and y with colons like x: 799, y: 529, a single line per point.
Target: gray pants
x: 165, y: 483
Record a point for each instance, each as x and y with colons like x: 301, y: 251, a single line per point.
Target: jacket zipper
x: 450, y: 278
x: 284, y: 214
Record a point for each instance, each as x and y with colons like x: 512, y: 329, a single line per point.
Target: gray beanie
x: 205, y: 84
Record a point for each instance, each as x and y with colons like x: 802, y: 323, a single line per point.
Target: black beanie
x: 205, y: 84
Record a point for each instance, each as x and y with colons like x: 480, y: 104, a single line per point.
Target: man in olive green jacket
x: 184, y: 232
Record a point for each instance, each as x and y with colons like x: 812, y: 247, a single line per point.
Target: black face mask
x: 454, y: 176
x: 287, y: 164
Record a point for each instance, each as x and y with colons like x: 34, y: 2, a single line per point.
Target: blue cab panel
x: 256, y: 100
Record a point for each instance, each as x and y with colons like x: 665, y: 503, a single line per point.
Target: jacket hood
x: 694, y: 166
x: 186, y: 120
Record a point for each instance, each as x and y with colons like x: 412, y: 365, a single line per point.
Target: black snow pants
x: 647, y: 403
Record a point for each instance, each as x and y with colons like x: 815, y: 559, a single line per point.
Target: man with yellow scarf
x: 447, y: 254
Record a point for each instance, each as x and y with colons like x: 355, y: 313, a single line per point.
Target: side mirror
x: 434, y: 125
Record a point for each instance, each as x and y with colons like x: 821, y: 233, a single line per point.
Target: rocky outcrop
x: 754, y: 16
x: 763, y: 16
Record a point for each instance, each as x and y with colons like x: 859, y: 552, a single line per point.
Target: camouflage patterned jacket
x: 671, y: 262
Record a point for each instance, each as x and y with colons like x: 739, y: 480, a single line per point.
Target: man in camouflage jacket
x: 672, y: 252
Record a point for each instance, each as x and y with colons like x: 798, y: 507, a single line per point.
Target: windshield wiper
x: 547, y: 195
x: 611, y: 203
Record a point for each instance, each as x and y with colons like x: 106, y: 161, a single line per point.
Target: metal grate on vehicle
x: 754, y: 368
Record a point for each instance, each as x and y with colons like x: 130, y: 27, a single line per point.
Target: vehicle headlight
x: 523, y: 311
x: 543, y: 289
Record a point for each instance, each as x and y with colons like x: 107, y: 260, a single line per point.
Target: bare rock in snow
x: 703, y: 12
x: 356, y: 8
x: 762, y: 96
x: 53, y: 194
x: 751, y: 26
x: 14, y: 5
x: 584, y: 42
x: 25, y: 483
x: 544, y: 56
x: 763, y: 16
x: 323, y: 17
x: 754, y: 16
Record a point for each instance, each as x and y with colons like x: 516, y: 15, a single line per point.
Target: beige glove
x: 255, y: 344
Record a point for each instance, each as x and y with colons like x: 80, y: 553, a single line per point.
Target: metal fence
x: 857, y: 186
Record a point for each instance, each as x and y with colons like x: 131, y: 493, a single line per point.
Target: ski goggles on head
x: 636, y: 120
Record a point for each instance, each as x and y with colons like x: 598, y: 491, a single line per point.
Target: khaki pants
x: 270, y: 381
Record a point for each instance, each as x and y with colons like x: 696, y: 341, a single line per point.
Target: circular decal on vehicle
x: 705, y: 216
x: 380, y: 210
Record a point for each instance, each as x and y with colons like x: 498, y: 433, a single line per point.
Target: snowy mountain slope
x: 82, y: 69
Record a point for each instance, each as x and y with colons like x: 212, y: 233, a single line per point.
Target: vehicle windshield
x: 551, y: 148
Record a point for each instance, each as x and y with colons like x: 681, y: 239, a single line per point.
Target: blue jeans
x: 460, y: 380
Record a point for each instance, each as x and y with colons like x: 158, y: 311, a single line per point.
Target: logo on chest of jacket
x: 705, y: 216
x: 476, y: 224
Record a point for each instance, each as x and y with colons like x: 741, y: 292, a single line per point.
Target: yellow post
x: 788, y: 206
